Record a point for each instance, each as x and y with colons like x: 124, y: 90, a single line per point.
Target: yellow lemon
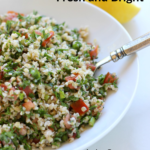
x: 122, y: 11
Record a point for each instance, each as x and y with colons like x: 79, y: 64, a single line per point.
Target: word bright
x: 128, y: 1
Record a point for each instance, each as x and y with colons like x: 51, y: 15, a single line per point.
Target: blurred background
x: 133, y: 132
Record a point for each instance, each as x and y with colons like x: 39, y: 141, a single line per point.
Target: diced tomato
x: 74, y: 135
x: 55, y: 99
x: 12, y: 89
x: 45, y: 42
x: 13, y: 95
x: 28, y: 105
x: 35, y: 120
x: 38, y: 32
x: 36, y: 140
x: 66, y: 120
x: 110, y: 78
x: 1, y: 75
x: 26, y: 35
x: 11, y: 15
x: 23, y: 131
x: 89, y: 44
x: 94, y: 53
x: 3, y: 86
x: 13, y: 12
x: 51, y: 129
x: 22, y: 32
x: 91, y: 66
x: 27, y: 90
x: 72, y: 87
x: 71, y: 78
x: 77, y: 107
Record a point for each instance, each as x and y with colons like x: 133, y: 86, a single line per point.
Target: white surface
x: 133, y: 132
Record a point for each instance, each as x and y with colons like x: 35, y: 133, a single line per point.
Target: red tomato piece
x: 38, y: 32
x: 27, y: 90
x: 94, y: 53
x: 71, y: 78
x: 90, y: 44
x: 23, y: 131
x: 77, y: 107
x: 45, y: 42
x: 12, y: 12
x: 15, y: 13
x: 28, y: 105
x: 109, y: 78
x: 22, y: 31
x: 51, y: 129
x: 91, y: 66
x: 1, y: 75
x: 74, y: 135
x: 26, y: 35
x: 3, y: 86
x: 13, y: 95
x: 36, y: 140
x: 11, y: 15
x: 12, y: 89
x: 72, y: 87
x: 66, y: 120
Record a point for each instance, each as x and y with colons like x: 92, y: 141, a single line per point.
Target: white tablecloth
x: 133, y: 132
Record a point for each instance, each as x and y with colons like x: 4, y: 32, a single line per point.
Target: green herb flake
x: 8, y: 25
x: 78, y: 133
x: 86, y: 54
x: 45, y: 35
x: 20, y: 17
x: 62, y: 94
x: 101, y: 79
x: 35, y: 12
x: 93, y: 107
x: 35, y: 74
x: 25, y: 83
x: 1, y: 92
x: 97, y: 116
x: 21, y: 96
x: 38, y: 19
x: 73, y: 98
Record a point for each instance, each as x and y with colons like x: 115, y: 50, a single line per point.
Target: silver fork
x: 126, y: 50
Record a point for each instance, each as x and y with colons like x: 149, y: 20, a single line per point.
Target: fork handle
x: 131, y: 47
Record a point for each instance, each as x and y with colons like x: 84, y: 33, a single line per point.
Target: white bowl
x: 110, y: 35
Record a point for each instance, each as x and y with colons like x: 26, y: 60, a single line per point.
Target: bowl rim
x: 131, y: 99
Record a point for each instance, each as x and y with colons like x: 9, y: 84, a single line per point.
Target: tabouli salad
x: 47, y: 90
